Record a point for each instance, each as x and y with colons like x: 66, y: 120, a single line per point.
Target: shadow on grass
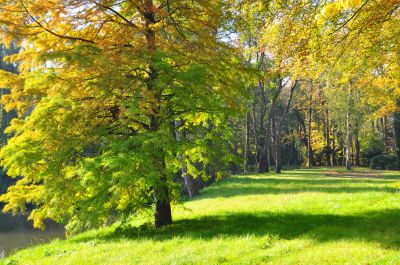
x: 381, y: 227
x: 339, y: 173
x: 240, y: 186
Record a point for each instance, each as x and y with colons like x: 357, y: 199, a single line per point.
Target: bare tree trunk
x: 357, y: 149
x: 246, y: 145
x: 191, y: 184
x: 334, y: 162
x: 275, y: 144
x: 256, y: 136
x: 348, y: 141
x: 385, y: 135
x: 278, y: 153
x: 310, y: 109
x: 263, y: 162
x: 328, y: 140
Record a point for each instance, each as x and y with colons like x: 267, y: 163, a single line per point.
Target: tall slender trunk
x: 191, y: 185
x: 275, y: 144
x: 263, y: 161
x: 310, y: 109
x: 350, y: 102
x: 162, y: 214
x: 328, y: 140
x: 357, y: 149
x: 256, y: 135
x: 246, y: 145
x: 385, y: 135
x: 334, y: 162
x: 278, y: 153
x: 348, y: 141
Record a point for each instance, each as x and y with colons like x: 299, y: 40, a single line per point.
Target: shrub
x: 392, y: 166
x: 384, y: 162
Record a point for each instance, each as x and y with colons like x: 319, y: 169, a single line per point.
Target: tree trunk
x: 277, y: 120
x: 343, y: 160
x: 274, y: 140
x: 328, y: 140
x: 304, y: 137
x: 191, y: 184
x: 357, y: 149
x: 246, y: 145
x: 255, y: 132
x: 162, y: 216
x: 309, y: 149
x: 263, y: 163
x: 334, y: 162
x: 385, y: 135
x: 348, y: 141
x: 278, y: 155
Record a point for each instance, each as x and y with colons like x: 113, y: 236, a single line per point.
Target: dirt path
x: 356, y: 174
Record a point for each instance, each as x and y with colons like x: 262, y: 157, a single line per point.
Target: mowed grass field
x: 305, y: 216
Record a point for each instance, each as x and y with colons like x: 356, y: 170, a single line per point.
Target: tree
x: 101, y: 86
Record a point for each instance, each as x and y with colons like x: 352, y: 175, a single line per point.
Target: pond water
x: 16, y: 233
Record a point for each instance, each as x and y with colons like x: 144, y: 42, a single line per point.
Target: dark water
x: 16, y: 233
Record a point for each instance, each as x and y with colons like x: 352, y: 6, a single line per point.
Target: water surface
x: 16, y: 233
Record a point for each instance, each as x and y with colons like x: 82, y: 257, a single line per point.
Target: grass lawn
x: 318, y: 216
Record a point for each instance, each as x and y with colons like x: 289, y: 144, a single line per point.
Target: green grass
x: 299, y: 217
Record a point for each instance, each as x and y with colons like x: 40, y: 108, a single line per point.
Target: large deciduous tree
x: 101, y: 84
